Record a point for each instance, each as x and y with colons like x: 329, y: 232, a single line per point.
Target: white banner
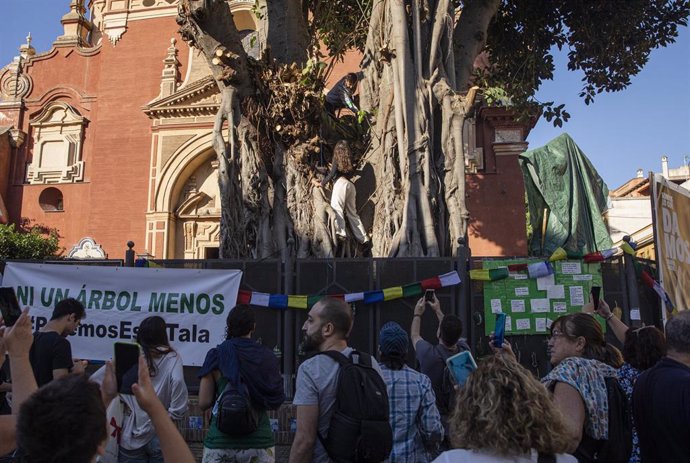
x: 194, y: 303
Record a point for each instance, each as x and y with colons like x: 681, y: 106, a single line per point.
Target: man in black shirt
x: 661, y: 399
x: 51, y: 353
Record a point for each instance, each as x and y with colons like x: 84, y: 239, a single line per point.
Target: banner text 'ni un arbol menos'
x: 194, y: 303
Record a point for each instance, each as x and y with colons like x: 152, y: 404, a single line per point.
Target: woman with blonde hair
x: 503, y: 414
x: 344, y: 196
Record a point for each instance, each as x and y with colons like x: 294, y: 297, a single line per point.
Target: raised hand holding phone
x: 126, y: 366
x: 499, y: 330
x: 460, y: 366
x: 9, y: 306
x: 596, y: 292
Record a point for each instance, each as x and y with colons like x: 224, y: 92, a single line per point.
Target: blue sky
x: 619, y: 132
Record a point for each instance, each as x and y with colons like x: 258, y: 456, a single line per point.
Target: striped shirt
x: 413, y: 415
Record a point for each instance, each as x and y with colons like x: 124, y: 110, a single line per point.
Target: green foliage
x: 35, y: 242
x: 341, y: 25
x: 608, y: 41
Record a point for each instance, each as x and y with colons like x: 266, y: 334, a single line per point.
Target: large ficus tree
x: 420, y: 84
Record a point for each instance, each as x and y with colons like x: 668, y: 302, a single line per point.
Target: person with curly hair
x: 344, y: 196
x: 503, y: 414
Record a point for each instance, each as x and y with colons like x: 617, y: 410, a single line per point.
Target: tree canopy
x: 28, y: 242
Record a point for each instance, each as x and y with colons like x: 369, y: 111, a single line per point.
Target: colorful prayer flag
x: 493, y: 274
x: 539, y: 269
x: 558, y: 254
x: 260, y: 299
x: 278, y: 301
x: 392, y: 293
x: 244, y: 296
x: 600, y: 256
x: 627, y: 248
x: 297, y: 302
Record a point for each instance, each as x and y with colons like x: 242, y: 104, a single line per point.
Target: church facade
x: 107, y: 138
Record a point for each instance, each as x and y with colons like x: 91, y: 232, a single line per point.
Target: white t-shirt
x: 486, y: 456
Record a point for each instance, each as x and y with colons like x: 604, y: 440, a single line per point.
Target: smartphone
x: 596, y: 292
x: 126, y: 366
x: 460, y: 366
x: 9, y: 306
x: 499, y: 330
x: 429, y: 295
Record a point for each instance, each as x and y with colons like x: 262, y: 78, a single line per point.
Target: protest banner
x: 671, y: 205
x: 194, y: 303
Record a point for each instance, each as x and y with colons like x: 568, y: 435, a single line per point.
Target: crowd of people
x: 596, y: 404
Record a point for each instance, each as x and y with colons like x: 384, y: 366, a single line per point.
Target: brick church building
x: 107, y: 138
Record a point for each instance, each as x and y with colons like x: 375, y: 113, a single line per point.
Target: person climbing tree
x: 342, y: 94
x: 344, y: 198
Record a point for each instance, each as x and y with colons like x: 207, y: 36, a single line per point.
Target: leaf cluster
x: 288, y: 105
x: 28, y: 242
x: 608, y: 41
x: 341, y: 25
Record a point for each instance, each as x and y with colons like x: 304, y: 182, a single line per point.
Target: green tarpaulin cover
x: 561, y: 183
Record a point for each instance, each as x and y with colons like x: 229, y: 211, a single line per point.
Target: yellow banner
x: 672, y: 206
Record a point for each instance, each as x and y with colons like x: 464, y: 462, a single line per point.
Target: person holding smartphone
x: 139, y: 442
x: 51, y: 352
x: 432, y: 357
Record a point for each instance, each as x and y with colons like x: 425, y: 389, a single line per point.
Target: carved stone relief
x: 198, y: 213
x: 87, y: 249
x: 57, y: 134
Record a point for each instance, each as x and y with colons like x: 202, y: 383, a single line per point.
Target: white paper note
x: 519, y: 276
x: 584, y: 277
x: 635, y: 314
x: 522, y: 291
x: 540, y: 325
x: 522, y: 323
x: 571, y: 268
x: 517, y: 305
x: 560, y: 307
x: 577, y: 296
x: 540, y: 305
x: 543, y: 283
x: 555, y: 292
x: 496, y: 306
x: 549, y: 322
x: 509, y: 323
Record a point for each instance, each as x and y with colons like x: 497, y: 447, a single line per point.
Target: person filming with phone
x: 432, y: 357
x: 139, y: 442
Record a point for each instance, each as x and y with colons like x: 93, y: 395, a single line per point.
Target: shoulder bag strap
x: 337, y: 356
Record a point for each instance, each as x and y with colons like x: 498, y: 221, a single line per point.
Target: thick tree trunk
x: 283, y: 29
x: 414, y: 90
x: 410, y: 77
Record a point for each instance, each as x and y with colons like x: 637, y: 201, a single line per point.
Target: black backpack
x: 618, y: 447
x: 445, y: 389
x: 235, y: 414
x: 359, y: 431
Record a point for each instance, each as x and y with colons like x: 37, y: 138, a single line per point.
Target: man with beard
x: 327, y: 328
x: 51, y: 352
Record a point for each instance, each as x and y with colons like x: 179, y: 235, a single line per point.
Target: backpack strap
x: 337, y: 356
x: 356, y: 357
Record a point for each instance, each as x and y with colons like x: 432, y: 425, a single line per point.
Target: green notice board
x: 531, y: 305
